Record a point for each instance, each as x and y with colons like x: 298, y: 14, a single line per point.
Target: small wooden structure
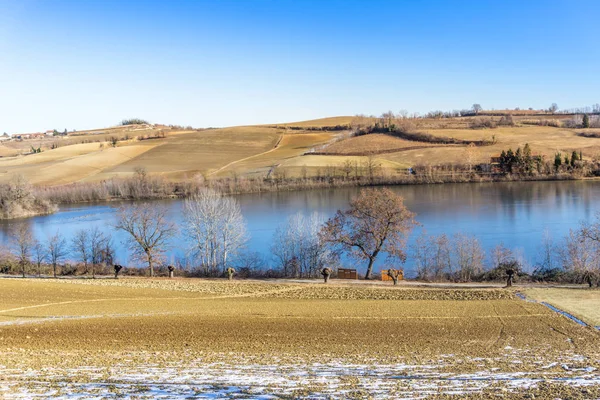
x: 347, y: 273
x: 386, y: 277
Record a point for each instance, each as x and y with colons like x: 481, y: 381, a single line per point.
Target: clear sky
x: 82, y: 63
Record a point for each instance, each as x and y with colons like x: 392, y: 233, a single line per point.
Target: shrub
x: 134, y: 121
x: 482, y: 123
x: 506, y: 120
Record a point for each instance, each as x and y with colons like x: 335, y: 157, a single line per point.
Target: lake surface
x: 515, y: 214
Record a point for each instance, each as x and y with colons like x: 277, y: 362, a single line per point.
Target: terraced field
x: 208, y: 338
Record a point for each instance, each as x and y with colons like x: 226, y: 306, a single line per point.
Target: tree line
x: 376, y: 225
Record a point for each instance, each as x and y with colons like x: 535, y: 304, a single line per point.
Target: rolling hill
x: 305, y: 147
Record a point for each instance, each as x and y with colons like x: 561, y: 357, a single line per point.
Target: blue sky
x: 82, y: 64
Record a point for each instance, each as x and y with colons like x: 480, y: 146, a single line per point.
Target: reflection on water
x: 516, y: 214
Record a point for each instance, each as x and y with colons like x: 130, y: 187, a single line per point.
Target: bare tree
x: 149, y: 231
x: 500, y: 255
x: 581, y: 251
x: 230, y: 272
x: 547, y: 252
x: 22, y: 244
x: 433, y: 256
x: 80, y: 246
x: 217, y: 228
x: 376, y: 221
x: 477, y: 108
x: 394, y: 274
x: 39, y: 255
x: 553, y: 108
x: 468, y: 256
x: 347, y: 168
x: 57, y: 249
x: 372, y: 167
x: 100, y: 248
x: 297, y: 247
x: 471, y: 154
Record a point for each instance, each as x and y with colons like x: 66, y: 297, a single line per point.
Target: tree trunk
x: 395, y: 279
x: 23, y: 270
x: 117, y: 270
x: 509, y: 281
x: 93, y: 272
x: 150, y: 266
x: 54, y: 268
x: 370, y: 268
x: 39, y: 270
x: 326, y: 278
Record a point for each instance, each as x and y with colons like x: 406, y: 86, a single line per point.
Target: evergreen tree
x: 557, y: 161
x: 567, y: 162
x: 510, y: 160
x: 519, y: 159
x: 503, y: 161
x: 574, y: 158
x: 586, y: 121
x: 527, y: 159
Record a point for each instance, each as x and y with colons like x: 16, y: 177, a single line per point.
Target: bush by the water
x: 17, y: 199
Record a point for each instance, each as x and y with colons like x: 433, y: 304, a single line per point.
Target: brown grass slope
x: 256, y: 150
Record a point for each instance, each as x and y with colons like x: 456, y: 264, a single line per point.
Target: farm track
x: 249, y: 158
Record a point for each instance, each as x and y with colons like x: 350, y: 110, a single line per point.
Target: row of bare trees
x: 213, y: 224
x: 298, y: 249
x: 376, y: 222
x: 91, y: 247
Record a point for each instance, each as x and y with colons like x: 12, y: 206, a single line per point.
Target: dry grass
x: 543, y: 140
x: 373, y: 144
x: 315, y: 163
x: 202, y: 152
x: 321, y: 122
x: 290, y: 146
x: 582, y: 303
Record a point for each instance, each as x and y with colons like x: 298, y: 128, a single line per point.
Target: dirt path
x: 248, y: 158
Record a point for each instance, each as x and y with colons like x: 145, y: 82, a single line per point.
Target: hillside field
x: 289, y: 149
x: 137, y: 337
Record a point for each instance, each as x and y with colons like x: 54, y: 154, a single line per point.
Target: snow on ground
x: 265, y: 381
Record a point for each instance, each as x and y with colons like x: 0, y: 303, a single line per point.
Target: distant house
x: 49, y: 133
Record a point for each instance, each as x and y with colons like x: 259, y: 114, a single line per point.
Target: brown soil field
x: 290, y: 146
x: 373, y: 144
x: 202, y: 151
x: 186, y: 337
